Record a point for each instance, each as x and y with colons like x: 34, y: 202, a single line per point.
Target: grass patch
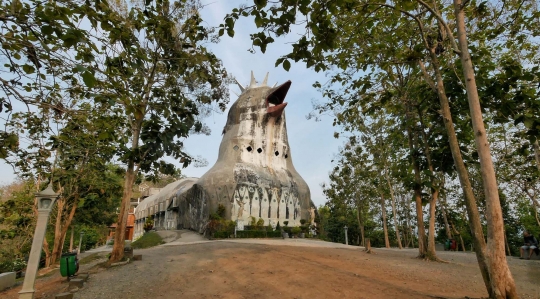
x: 92, y: 257
x: 147, y: 240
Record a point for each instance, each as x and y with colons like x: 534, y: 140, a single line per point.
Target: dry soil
x: 223, y: 269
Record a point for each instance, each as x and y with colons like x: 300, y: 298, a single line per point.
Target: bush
x: 260, y: 224
x: 296, y: 230
x: 222, y: 235
x: 287, y: 229
x: 303, y: 221
x: 16, y: 265
x: 273, y: 234
x: 149, y: 223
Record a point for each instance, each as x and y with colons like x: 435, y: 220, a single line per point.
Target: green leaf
x: 260, y: 3
x: 47, y: 29
x: 28, y: 69
x: 286, y: 65
x: 79, y: 68
x: 89, y: 79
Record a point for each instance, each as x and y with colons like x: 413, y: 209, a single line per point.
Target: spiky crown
x: 253, y: 83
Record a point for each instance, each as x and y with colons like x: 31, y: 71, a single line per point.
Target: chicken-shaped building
x: 254, y: 174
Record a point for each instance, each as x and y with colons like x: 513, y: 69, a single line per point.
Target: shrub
x: 257, y: 234
x: 222, y: 234
x: 252, y: 221
x: 273, y: 234
x: 285, y: 223
x: 148, y: 224
x: 260, y: 224
x: 296, y: 230
x: 221, y: 211
x: 303, y: 221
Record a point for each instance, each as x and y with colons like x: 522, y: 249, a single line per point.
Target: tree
x: 44, y: 46
x: 16, y: 223
x: 158, y: 73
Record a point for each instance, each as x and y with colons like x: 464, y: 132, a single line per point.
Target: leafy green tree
x: 157, y: 73
x: 43, y: 49
x: 16, y: 222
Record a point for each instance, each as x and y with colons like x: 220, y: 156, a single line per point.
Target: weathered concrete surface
x: 254, y: 176
x: 76, y: 284
x: 188, y: 237
x: 64, y: 296
x: 83, y: 276
x: 7, y: 280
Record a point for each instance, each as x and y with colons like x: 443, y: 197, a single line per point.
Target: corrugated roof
x: 167, y: 192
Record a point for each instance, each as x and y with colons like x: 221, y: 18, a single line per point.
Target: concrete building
x: 254, y: 175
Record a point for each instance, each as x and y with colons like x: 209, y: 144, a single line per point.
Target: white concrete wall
x: 7, y: 280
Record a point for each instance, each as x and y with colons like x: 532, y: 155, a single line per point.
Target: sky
x: 312, y: 143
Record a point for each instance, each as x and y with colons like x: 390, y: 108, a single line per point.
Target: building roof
x: 166, y: 192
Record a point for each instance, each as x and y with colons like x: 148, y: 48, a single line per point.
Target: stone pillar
x: 27, y: 291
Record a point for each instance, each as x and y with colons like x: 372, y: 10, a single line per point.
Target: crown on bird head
x: 253, y: 83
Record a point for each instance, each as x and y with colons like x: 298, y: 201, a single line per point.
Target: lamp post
x: 80, y: 243
x: 45, y: 201
x: 346, y: 236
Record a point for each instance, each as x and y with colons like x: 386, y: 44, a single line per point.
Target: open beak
x: 275, y: 98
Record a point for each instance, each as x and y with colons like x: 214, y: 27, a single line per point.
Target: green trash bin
x: 68, y: 264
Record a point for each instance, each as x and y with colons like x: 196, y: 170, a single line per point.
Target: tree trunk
x: 431, y: 252
x: 508, y: 252
x: 117, y: 252
x: 457, y: 233
x: 360, y: 219
x: 385, y: 228
x: 71, y: 239
x: 61, y: 228
x: 502, y: 283
x: 445, y: 218
x: 422, y: 248
x: 463, y: 175
x: 60, y: 203
x: 396, y: 225
x: 47, y: 252
x: 409, y: 226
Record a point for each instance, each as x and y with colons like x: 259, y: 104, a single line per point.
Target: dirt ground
x: 240, y: 270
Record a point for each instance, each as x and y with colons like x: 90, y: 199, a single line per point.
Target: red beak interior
x: 275, y: 98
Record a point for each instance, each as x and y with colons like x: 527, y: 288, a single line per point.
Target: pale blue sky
x: 312, y: 143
